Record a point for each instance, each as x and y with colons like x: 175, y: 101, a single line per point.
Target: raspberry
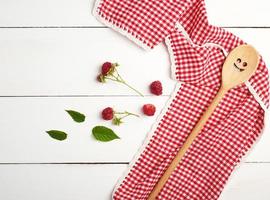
x: 106, y: 67
x: 149, y: 109
x: 156, y: 88
x: 107, y: 113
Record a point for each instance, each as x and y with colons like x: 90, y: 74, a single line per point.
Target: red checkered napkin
x: 197, y: 50
x: 146, y: 22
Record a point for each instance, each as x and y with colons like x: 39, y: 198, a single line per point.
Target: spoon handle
x: 196, y: 130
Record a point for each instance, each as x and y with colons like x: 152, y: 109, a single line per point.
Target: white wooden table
x: 50, y: 52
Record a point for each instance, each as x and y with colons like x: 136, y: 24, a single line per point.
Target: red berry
x: 156, y: 88
x: 106, y: 68
x: 107, y: 113
x: 149, y: 109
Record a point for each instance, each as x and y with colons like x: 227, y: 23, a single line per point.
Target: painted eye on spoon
x: 238, y: 60
x: 245, y: 64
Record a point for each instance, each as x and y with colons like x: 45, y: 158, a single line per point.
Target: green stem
x: 121, y: 80
x: 111, y: 79
x: 118, y: 75
x: 126, y: 114
x: 116, y: 78
x: 132, y: 88
x: 132, y: 114
x: 120, y: 113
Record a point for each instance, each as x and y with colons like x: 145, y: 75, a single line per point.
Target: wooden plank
x: 66, y: 61
x: 80, y: 182
x: 238, y: 13
x: 47, y: 13
x: 24, y: 122
x: 257, y: 37
x: 78, y: 13
x: 249, y: 181
x: 58, y: 182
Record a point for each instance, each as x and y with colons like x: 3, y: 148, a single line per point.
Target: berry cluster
x: 116, y: 117
x: 109, y: 72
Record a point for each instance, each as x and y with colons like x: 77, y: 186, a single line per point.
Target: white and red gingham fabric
x: 197, y: 55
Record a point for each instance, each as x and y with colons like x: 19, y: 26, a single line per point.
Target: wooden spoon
x: 238, y: 67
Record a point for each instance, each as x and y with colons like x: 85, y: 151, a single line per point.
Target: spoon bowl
x: 239, y: 66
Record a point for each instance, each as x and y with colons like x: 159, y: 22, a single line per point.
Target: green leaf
x: 104, y: 134
x: 76, y: 116
x: 58, y: 135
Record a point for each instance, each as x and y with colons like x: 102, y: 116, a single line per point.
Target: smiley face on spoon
x: 240, y: 65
